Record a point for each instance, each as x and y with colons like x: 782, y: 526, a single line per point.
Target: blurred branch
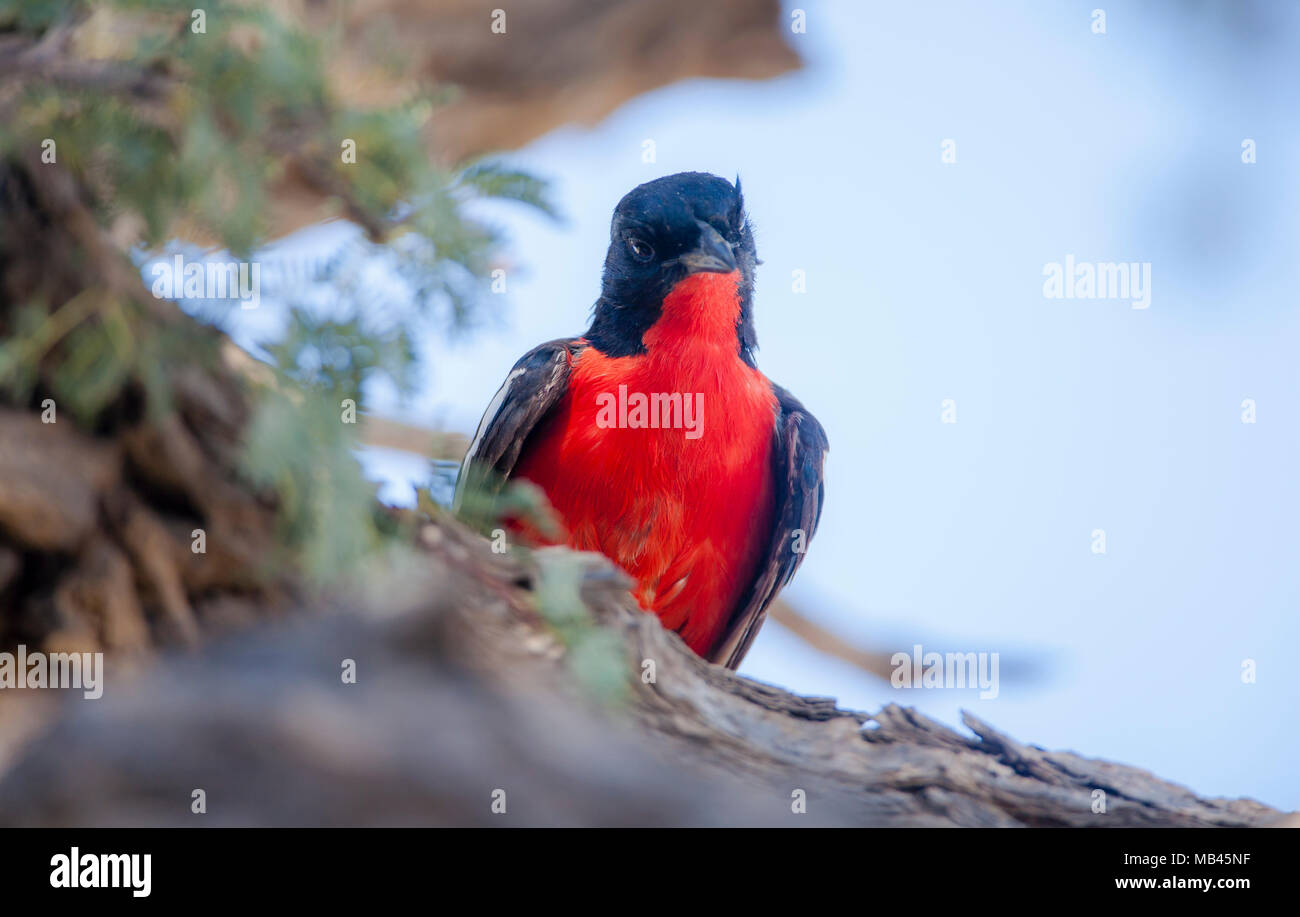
x: 385, y: 433
x: 874, y: 662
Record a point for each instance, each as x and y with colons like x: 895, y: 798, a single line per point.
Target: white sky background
x: 924, y: 282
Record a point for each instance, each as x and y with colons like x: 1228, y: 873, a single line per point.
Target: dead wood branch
x: 462, y: 691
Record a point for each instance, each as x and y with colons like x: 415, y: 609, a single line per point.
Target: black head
x: 663, y: 231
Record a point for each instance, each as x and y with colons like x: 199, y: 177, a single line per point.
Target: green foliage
x: 300, y: 447
x: 163, y: 127
x: 333, y: 358
x: 96, y: 362
x: 487, y: 503
x: 33, y: 15
x: 492, y: 179
x: 595, y: 655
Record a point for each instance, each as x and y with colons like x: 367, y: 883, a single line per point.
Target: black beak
x: 712, y: 254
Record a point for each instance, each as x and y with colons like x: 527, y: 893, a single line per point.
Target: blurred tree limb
x: 558, y: 61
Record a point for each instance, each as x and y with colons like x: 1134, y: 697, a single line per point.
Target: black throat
x: 661, y: 232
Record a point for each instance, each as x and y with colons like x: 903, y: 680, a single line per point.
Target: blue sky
x: 925, y: 283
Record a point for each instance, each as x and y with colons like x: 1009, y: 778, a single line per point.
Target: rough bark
x: 556, y: 62
x: 96, y: 526
x: 462, y: 690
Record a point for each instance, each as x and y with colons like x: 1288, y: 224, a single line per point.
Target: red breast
x: 676, y: 485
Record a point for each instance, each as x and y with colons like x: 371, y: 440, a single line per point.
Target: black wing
x: 535, y: 385
x: 798, y: 450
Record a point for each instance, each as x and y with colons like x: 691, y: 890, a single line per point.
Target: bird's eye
x: 641, y: 251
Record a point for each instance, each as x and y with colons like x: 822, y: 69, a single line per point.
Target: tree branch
x: 462, y: 690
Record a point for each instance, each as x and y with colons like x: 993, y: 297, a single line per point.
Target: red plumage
x: 710, y: 509
x: 688, y: 518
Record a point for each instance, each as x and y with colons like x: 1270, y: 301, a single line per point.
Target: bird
x: 654, y: 436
